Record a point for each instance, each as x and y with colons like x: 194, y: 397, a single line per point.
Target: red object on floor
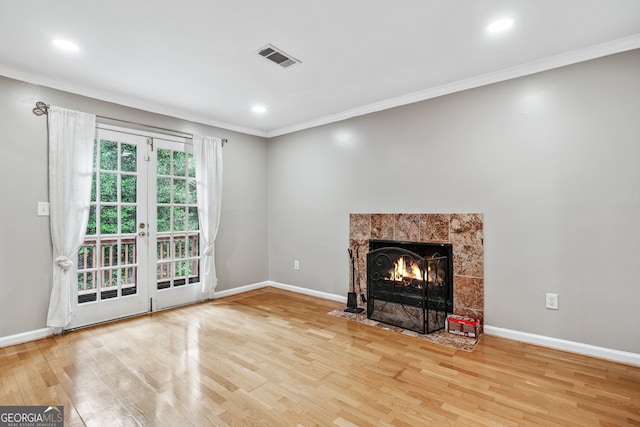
x: 465, y: 326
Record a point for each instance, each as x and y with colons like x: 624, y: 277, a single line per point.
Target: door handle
x: 142, y: 234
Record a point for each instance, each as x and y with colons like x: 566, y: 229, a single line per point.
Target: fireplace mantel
x: 464, y: 231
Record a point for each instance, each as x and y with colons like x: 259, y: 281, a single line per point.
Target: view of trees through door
x: 108, y: 261
x: 142, y: 246
x: 178, y: 238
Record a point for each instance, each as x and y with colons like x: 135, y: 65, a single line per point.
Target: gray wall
x: 552, y: 160
x: 25, y: 245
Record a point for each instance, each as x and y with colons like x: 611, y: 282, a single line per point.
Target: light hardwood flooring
x: 274, y: 358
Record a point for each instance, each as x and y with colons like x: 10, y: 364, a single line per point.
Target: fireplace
x: 410, y: 284
x: 463, y: 231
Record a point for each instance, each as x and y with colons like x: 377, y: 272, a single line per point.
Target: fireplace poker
x: 362, y: 297
x: 353, y: 272
x: 352, y: 298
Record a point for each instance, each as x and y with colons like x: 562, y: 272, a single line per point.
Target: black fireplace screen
x: 407, y: 289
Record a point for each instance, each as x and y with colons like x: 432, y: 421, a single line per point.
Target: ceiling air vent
x: 276, y: 55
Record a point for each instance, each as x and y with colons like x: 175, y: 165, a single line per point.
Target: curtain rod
x: 43, y: 109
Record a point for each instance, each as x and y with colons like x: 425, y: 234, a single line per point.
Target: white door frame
x: 148, y: 297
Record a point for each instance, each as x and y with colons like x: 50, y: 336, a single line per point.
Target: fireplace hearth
x: 410, y: 284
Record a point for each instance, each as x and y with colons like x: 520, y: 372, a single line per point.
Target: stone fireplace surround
x: 462, y: 230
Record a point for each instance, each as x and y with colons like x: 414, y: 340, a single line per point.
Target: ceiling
x: 197, y: 59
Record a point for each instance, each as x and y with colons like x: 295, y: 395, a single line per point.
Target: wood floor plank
x: 275, y: 358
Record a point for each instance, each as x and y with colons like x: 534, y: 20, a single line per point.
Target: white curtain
x: 71, y: 136
x: 207, y: 152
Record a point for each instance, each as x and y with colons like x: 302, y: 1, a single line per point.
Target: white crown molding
x: 24, y: 76
x: 581, y: 55
x: 570, y: 346
x: 569, y: 58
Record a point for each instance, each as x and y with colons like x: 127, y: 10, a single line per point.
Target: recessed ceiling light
x: 500, y: 25
x: 65, y: 45
x: 259, y: 108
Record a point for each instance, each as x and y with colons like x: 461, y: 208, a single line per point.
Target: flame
x: 403, y: 269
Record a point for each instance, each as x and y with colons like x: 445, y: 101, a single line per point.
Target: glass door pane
x: 110, y: 263
x: 177, y: 231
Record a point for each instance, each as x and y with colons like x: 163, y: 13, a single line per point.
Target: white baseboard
x: 240, y: 290
x: 311, y: 292
x: 283, y: 286
x: 555, y: 343
x: 570, y: 346
x: 25, y: 337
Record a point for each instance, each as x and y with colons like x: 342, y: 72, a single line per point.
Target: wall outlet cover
x: 552, y: 301
x: 43, y: 208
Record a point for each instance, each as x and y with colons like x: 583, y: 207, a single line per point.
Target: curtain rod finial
x: 40, y: 108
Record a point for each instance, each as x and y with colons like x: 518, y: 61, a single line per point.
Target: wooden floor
x: 274, y: 358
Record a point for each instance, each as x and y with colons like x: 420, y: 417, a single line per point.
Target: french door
x: 141, y: 251
x: 176, y: 232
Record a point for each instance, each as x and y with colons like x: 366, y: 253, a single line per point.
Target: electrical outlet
x: 43, y: 208
x: 552, y: 301
x: 296, y: 265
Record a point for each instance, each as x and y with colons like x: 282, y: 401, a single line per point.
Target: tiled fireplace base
x: 440, y: 337
x: 464, y: 231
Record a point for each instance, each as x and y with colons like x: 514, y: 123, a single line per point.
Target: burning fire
x: 403, y: 269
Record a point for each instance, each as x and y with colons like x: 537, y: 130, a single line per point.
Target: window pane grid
x: 107, y: 261
x: 178, y: 240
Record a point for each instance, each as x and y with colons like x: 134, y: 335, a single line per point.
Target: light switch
x: 43, y: 208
